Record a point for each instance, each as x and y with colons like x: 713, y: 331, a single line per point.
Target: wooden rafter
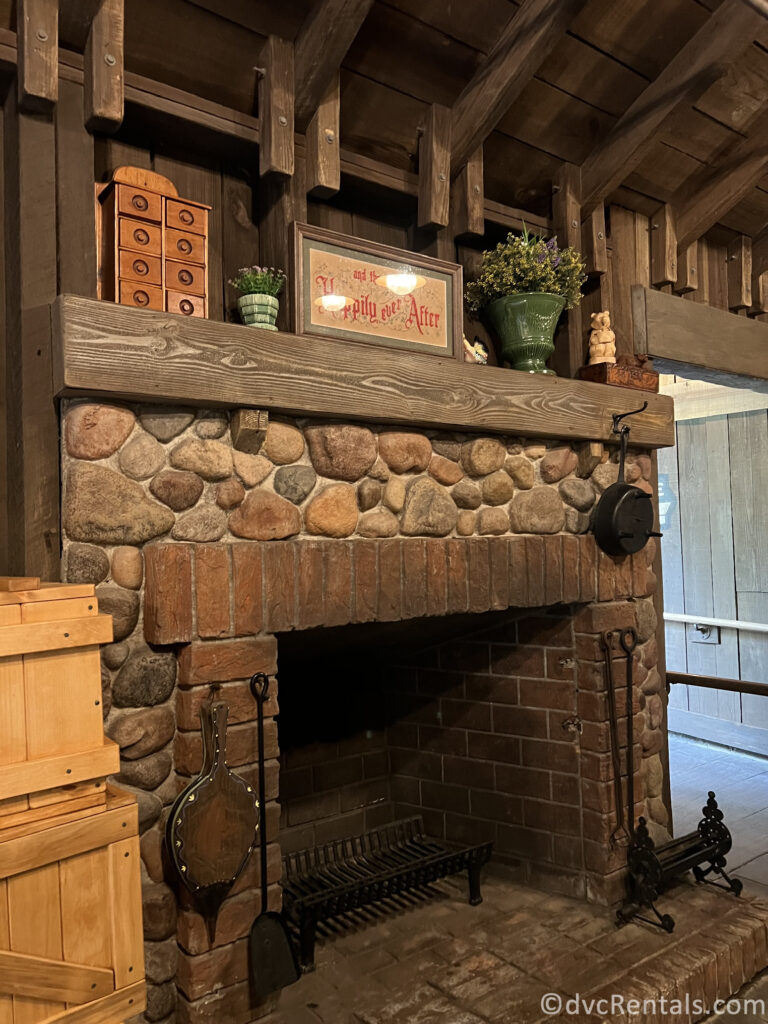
x: 320, y: 47
x: 708, y: 195
x: 726, y: 33
x: 522, y: 48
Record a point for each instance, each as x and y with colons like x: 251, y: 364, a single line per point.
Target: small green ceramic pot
x: 525, y: 325
x: 259, y: 311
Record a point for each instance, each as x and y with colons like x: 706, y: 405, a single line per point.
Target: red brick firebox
x: 546, y: 799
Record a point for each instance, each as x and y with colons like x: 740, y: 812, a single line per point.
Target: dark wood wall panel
x: 31, y: 283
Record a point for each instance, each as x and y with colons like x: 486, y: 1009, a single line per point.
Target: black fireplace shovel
x: 272, y: 961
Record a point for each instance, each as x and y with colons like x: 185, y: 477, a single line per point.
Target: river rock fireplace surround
x: 431, y: 605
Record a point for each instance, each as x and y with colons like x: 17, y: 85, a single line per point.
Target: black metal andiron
x: 652, y: 869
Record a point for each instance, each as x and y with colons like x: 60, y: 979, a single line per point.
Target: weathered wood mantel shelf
x: 110, y: 351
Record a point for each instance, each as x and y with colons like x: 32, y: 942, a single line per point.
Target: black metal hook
x: 619, y: 416
x: 260, y: 687
x: 628, y: 639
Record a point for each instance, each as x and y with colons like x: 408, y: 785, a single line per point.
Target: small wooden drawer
x: 186, y: 217
x: 144, y: 296
x: 137, y: 235
x: 136, y: 266
x: 185, y: 277
x: 182, y: 245
x: 136, y: 202
x: 187, y: 305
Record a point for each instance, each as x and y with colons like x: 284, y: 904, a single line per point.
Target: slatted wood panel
x: 716, y: 566
x: 749, y: 476
x: 672, y: 566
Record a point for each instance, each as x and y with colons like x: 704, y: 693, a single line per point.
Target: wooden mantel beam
x: 708, y: 195
x: 320, y: 47
x: 726, y: 33
x: 101, y: 348
x: 522, y: 48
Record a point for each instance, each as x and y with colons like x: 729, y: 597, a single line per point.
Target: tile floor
x: 740, y: 783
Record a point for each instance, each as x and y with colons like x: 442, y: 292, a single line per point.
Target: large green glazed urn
x: 259, y: 311
x: 525, y: 325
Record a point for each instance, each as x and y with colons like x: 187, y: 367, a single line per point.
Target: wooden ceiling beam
x: 523, y: 47
x: 708, y: 195
x: 727, y: 32
x: 320, y: 47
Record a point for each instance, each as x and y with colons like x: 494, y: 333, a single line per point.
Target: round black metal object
x: 623, y: 519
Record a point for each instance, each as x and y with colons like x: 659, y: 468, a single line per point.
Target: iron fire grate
x: 326, y: 881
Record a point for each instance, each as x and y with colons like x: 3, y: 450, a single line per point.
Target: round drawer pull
x: 185, y: 277
x: 141, y: 298
x: 141, y: 236
x: 141, y: 268
x: 186, y: 217
x: 184, y: 245
x: 186, y: 307
x: 139, y: 203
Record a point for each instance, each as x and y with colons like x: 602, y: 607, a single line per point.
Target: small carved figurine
x: 476, y: 353
x: 602, y: 340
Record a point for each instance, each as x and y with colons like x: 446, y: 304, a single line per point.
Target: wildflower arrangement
x: 527, y: 263
x: 259, y: 280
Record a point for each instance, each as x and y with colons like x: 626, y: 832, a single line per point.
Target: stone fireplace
x: 429, y: 606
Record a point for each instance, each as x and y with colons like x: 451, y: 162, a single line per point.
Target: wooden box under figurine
x: 637, y: 377
x: 153, y: 245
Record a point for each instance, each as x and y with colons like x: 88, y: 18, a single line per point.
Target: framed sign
x: 361, y: 291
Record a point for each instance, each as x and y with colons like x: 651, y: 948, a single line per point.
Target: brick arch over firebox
x: 198, y: 591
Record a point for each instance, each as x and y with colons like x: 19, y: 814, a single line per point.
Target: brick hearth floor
x: 440, y: 961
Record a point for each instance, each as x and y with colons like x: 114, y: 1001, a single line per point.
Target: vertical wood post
x: 37, y: 29
x: 323, y: 149
x: 281, y: 202
x: 435, y: 169
x: 566, y: 214
x: 687, y: 270
x: 75, y: 207
x: 594, y: 245
x: 276, y: 88
x: 468, y: 197
x: 740, y: 273
x: 104, y: 68
x: 663, y: 247
x: 30, y: 263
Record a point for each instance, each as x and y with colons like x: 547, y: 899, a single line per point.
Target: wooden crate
x: 52, y: 746
x: 71, y: 942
